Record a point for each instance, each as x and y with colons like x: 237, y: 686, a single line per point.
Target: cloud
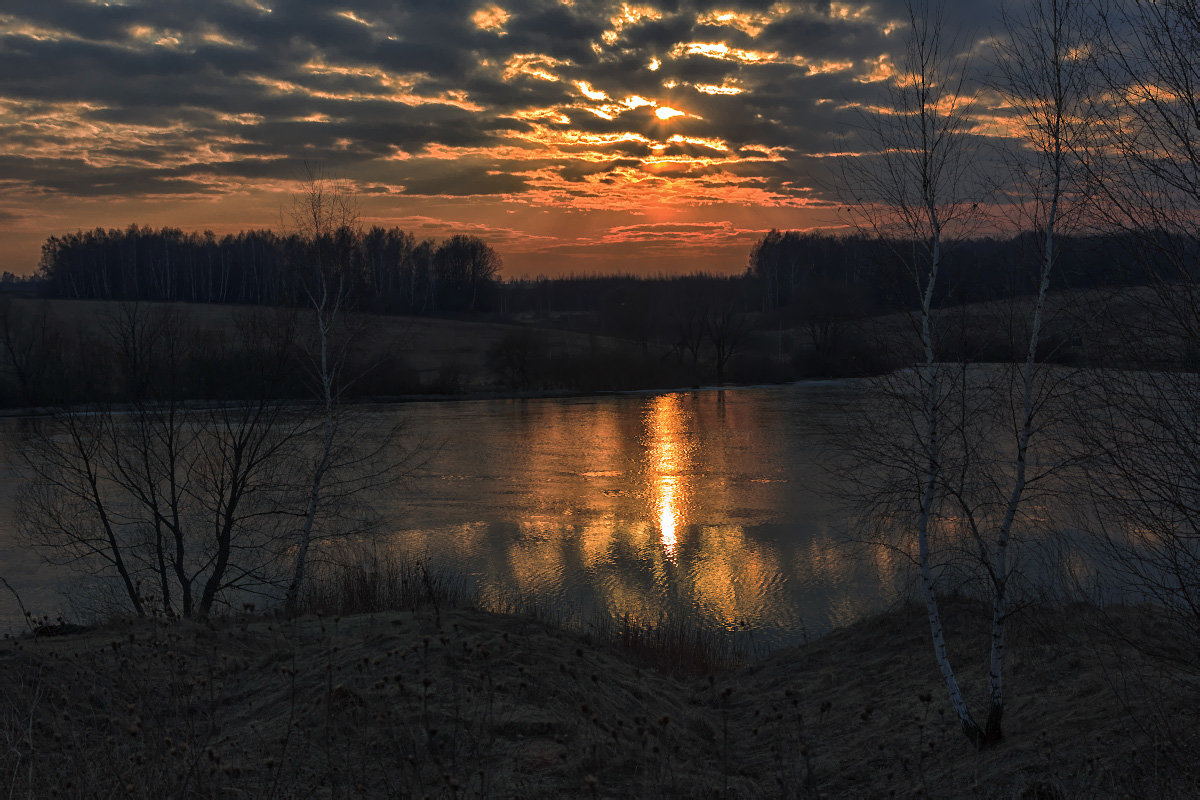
x: 672, y: 233
x: 544, y: 103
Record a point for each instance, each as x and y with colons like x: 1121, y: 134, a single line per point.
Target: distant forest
x: 387, y: 270
x: 392, y: 272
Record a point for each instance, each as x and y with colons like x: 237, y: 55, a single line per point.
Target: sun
x: 665, y: 112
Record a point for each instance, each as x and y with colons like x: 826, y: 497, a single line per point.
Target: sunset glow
x: 622, y: 398
x: 548, y: 130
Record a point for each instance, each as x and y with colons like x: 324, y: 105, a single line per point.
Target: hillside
x: 469, y: 703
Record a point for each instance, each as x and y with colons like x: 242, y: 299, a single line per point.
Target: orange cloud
x: 491, y: 18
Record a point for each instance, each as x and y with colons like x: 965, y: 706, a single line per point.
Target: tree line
x: 390, y: 271
x: 386, y: 269
x: 793, y: 267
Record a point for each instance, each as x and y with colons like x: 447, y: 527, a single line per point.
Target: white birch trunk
x: 928, y: 494
x: 1000, y: 567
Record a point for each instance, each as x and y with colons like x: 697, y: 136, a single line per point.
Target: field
x: 422, y: 354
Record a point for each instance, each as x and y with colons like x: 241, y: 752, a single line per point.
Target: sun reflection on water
x: 666, y: 516
x: 688, y: 505
x: 668, y: 453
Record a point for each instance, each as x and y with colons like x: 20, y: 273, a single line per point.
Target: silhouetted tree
x: 159, y: 495
x: 466, y: 268
x: 1140, y: 427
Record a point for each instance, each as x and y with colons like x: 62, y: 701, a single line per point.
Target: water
x: 707, y: 503
x: 710, y: 503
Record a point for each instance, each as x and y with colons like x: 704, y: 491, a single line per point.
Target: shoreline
x: 17, y: 412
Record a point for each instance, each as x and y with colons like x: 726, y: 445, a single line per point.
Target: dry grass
x: 446, y: 702
x: 434, y: 352
x: 672, y: 646
x: 367, y: 582
x: 362, y: 583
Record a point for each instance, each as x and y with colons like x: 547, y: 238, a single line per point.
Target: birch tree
x: 350, y: 456
x: 931, y: 462
x: 913, y: 186
x: 1045, y: 81
x: 322, y: 214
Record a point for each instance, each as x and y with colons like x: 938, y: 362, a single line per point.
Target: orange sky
x: 576, y: 136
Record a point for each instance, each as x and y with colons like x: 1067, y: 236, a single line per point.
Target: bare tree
x: 179, y: 503
x: 936, y: 438
x: 466, y: 268
x: 1146, y: 163
x: 726, y: 330
x: 1141, y: 430
x: 322, y: 214
x: 1045, y: 81
x: 519, y: 361
x: 915, y: 186
x: 689, y: 327
x: 351, y: 455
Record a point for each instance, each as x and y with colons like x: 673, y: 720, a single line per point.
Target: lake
x: 707, y: 503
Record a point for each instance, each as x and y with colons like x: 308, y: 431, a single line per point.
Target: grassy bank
x: 449, y: 701
x: 55, y: 352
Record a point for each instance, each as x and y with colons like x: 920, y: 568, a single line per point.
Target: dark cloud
x: 154, y: 97
x: 81, y: 179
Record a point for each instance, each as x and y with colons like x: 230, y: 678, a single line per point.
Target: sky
x: 575, y: 136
